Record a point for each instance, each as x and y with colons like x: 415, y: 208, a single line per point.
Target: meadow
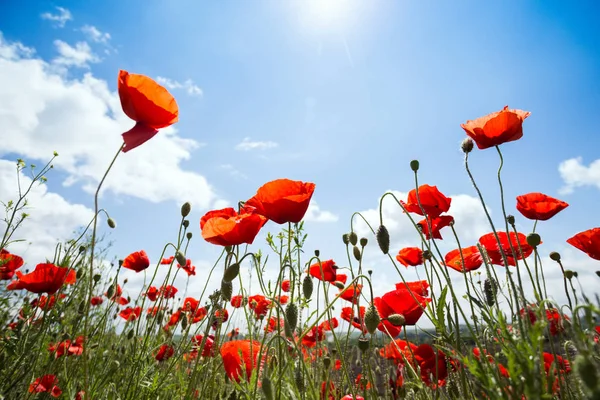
x: 317, y: 331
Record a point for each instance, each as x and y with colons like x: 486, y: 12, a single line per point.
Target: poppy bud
x: 490, y: 289
x: 317, y: 253
x: 111, y: 223
x: 226, y: 290
x: 184, y: 321
x: 327, y: 362
x: 363, y: 242
x: 587, y: 371
x: 598, y: 273
x: 188, y: 235
x: 97, y: 278
x: 575, y: 274
x: 534, y: 240
x: 356, y: 252
x: 180, y: 258
x: 111, y: 291
x: 345, y: 238
x: 353, y: 238
x: 307, y: 287
x: 79, y: 273
x: 273, y: 362
x: 414, y: 165
x: 383, y: 239
x: 185, y: 209
x: 130, y: 334
x: 231, y: 272
x: 228, y: 249
x: 467, y: 145
x: 569, y: 274
x: 363, y: 344
x: 299, y: 379
x: 186, y: 223
x: 267, y: 387
x: 372, y: 319
x: 510, y: 219
x: 396, y: 319
x: 555, y: 256
x: 81, y: 249
x: 339, y: 285
x: 291, y: 318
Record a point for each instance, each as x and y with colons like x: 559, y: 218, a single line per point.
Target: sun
x: 327, y: 14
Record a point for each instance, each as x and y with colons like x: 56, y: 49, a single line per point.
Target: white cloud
x: 95, y: 35
x: 79, y: 56
x: 575, y: 174
x: 189, y: 86
x: 315, y: 214
x: 60, y: 18
x: 52, y: 218
x: 247, y: 145
x: 42, y: 111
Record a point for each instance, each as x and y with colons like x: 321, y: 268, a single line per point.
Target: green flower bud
x: 346, y: 238
x: 231, y: 272
x: 111, y: 223
x: 534, y: 240
x: 185, y: 209
x: 383, y: 239
x: 356, y: 252
x: 372, y: 319
x: 188, y: 235
x: 396, y: 319
x: 186, y: 223
x: 510, y: 219
x: 467, y: 145
x: 363, y: 344
x: 307, y: 287
x: 226, y: 290
x: 291, y: 317
x: 555, y: 256
x: 363, y: 242
x: 414, y: 165
x: 353, y: 238
x: 339, y: 285
x: 180, y: 258
x: 569, y: 274
x: 317, y: 253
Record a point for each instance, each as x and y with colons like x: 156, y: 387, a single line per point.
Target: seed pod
x: 345, y: 238
x: 396, y: 319
x: 185, y: 209
x: 467, y: 145
x: 111, y: 223
x: 317, y: 253
x: 267, y: 387
x: 490, y: 289
x: 97, y: 278
x: 555, y: 256
x: 327, y: 362
x: 307, y: 287
x: 534, y: 240
x: 231, y: 272
x: 81, y: 249
x: 510, y: 219
x: 291, y: 318
x: 363, y: 344
x: 356, y: 252
x: 188, y: 235
x: 414, y: 165
x: 383, y: 239
x: 130, y: 334
x: 180, y: 258
x: 226, y: 290
x: 353, y: 238
x: 363, y: 241
x: 372, y: 318
x: 81, y: 308
x: 185, y: 223
x: 569, y: 274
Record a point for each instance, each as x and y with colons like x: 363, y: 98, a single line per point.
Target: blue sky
x: 340, y: 93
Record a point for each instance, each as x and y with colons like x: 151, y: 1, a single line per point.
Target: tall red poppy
x: 45, y: 278
x: 188, y: 267
x: 496, y: 128
x: 419, y: 287
x: 228, y: 228
x: 352, y: 293
x: 356, y: 321
x: 398, y: 350
x: 286, y: 285
x: 165, y: 351
x: 410, y: 256
x: 538, y: 206
x: 436, y: 226
x: 207, y: 350
x: 149, y: 104
x: 9, y: 263
x: 494, y: 251
x: 283, y: 200
x: 152, y: 293
x: 137, y: 261
x: 67, y: 347
x: 325, y: 270
x: 471, y: 255
x: 130, y: 314
x: 46, y: 384
x: 432, y: 364
x: 239, y: 356
x: 430, y: 198
x: 588, y: 242
x: 403, y: 302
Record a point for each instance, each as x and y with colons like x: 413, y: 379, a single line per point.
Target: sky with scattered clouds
x: 341, y: 93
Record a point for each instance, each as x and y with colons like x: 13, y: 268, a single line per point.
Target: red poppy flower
x: 316, y: 334
x: 432, y: 200
x: 190, y: 304
x: 432, y: 364
x: 489, y: 242
x: 419, y: 287
x: 273, y: 324
x: 67, y: 347
x: 152, y: 293
x: 436, y: 225
x: 45, y: 278
x: 284, y: 299
x: 356, y: 321
x: 188, y: 267
x: 554, y: 317
x: 496, y: 128
x: 147, y: 103
x: 410, y: 256
x: 221, y: 316
x: 350, y: 397
x: 46, y: 383
x: 45, y: 302
x: 588, y: 242
x: 117, y: 296
x: 130, y: 314
x: 173, y: 320
x: 168, y: 291
x: 239, y: 355
x: 96, y: 300
x: 237, y: 301
x: 167, y: 261
x: 341, y: 278
x: 285, y: 285
x: 400, y: 301
x: 9, y: 263
x: 164, y: 352
x: 283, y: 200
x: 233, y: 333
x: 137, y: 261
x: 325, y: 270
x: 352, y: 293
x: 538, y: 206
x: 471, y: 255
x: 199, y: 315
x: 398, y: 350
x: 208, y: 350
x: 558, y: 362
x: 228, y: 228
x: 329, y: 325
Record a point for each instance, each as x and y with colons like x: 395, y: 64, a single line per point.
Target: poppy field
x: 317, y: 331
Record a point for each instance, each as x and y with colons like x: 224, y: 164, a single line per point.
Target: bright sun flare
x: 327, y: 14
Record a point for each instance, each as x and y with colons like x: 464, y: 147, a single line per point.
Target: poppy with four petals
x: 137, y: 261
x: 410, y: 256
x: 226, y: 227
x: 430, y: 199
x: 496, y: 128
x: 471, y: 256
x: 489, y: 242
x: 283, y: 200
x: 45, y: 278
